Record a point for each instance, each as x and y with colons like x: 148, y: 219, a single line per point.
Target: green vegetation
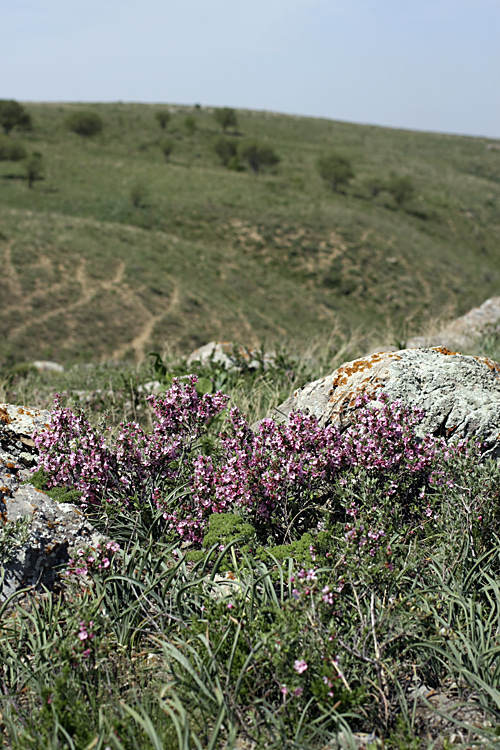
x: 315, y: 643
x: 258, y: 156
x: 213, y: 253
x: 335, y: 170
x: 162, y: 117
x: 226, y: 149
x: 277, y: 630
x: 11, y: 150
x: 13, y: 115
x: 86, y: 123
x: 190, y: 124
x: 34, y: 168
x: 401, y: 189
x: 226, y: 118
x: 167, y: 145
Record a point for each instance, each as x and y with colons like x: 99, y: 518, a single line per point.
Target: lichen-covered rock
x: 17, y: 425
x: 459, y: 394
x: 464, y: 331
x: 230, y: 356
x: 37, y: 534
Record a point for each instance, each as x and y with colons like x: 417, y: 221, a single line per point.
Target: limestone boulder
x: 37, y: 534
x: 230, y: 356
x: 459, y: 394
x: 463, y: 332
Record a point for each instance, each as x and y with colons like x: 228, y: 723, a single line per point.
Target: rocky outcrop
x: 463, y: 332
x: 37, y: 534
x: 231, y: 356
x: 459, y: 394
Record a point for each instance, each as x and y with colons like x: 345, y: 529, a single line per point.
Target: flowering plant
x: 284, y: 479
x: 134, y: 464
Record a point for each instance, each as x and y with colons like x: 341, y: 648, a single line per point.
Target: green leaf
x: 204, y: 385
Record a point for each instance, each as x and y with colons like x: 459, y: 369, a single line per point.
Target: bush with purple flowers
x: 284, y: 479
x: 134, y: 465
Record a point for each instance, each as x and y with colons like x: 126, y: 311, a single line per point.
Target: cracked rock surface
x: 31, y: 552
x: 459, y: 394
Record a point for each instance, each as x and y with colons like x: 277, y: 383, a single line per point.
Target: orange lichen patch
x: 490, y: 363
x: 4, y: 416
x: 359, y: 365
x: 443, y: 350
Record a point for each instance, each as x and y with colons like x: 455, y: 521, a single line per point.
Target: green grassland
x: 207, y: 252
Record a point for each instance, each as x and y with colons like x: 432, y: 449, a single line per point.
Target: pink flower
x: 300, y: 665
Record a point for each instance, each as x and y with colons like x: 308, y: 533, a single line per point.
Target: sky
x: 420, y: 64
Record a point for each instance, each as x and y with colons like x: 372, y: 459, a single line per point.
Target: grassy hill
x: 117, y: 251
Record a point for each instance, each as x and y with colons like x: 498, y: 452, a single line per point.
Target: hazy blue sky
x: 423, y: 64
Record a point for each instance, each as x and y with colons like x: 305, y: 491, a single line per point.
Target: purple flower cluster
x: 273, y: 475
x: 93, y: 558
x: 134, y: 463
x: 260, y: 472
x: 85, y: 635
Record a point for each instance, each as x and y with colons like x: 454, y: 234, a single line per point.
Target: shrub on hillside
x: 226, y: 118
x: 190, y: 124
x: 13, y: 115
x: 11, y: 150
x: 167, y: 146
x: 85, y: 123
x: 258, y: 156
x: 34, y: 168
x: 162, y: 116
x: 335, y: 169
x: 226, y: 150
x: 401, y: 188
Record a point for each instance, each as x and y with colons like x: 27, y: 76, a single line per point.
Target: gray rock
x: 44, y: 365
x: 37, y: 534
x: 229, y: 355
x: 17, y: 425
x: 464, y: 331
x: 459, y: 394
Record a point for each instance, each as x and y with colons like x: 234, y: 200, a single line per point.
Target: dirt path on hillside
x: 140, y: 342
x: 90, y: 288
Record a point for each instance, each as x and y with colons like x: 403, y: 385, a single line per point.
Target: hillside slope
x: 117, y: 251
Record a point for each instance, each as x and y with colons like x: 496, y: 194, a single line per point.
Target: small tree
x: 34, y: 168
x: 167, y: 146
x: 85, y: 124
x: 13, y: 115
x: 335, y: 169
x: 401, y: 188
x: 226, y: 150
x: 190, y: 124
x: 374, y: 185
x: 258, y: 156
x: 226, y: 118
x: 163, y: 118
x: 10, y: 150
